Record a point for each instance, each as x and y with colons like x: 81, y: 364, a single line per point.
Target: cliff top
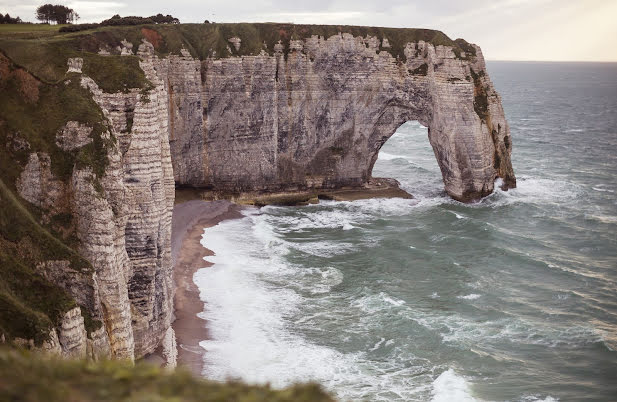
x: 43, y: 52
x: 39, y: 97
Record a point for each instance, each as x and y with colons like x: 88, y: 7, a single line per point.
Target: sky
x: 541, y: 30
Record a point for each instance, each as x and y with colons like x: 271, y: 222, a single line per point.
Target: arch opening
x: 408, y: 157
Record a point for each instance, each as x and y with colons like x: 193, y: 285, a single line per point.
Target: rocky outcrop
x: 129, y: 226
x: 121, y: 220
x: 305, y: 113
x: 75, y: 64
x: 38, y: 185
x: 73, y: 135
x: 72, y: 335
x: 316, y: 117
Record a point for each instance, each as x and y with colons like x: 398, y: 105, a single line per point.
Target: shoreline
x: 189, y: 220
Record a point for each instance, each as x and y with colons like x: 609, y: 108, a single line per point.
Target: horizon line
x: 552, y: 61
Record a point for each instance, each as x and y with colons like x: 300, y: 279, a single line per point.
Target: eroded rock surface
x: 311, y: 114
x: 73, y: 135
x: 317, y: 117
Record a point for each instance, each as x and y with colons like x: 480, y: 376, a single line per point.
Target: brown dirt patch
x: 152, y: 36
x: 4, y: 68
x: 28, y: 85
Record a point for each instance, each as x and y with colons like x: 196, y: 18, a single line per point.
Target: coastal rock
x: 134, y: 215
x: 97, y: 345
x: 309, y: 113
x: 75, y: 64
x: 100, y: 232
x: 72, y: 334
x: 236, y: 42
x: 170, y: 350
x: 37, y: 184
x: 73, y: 135
x: 126, y: 49
x: 317, y: 117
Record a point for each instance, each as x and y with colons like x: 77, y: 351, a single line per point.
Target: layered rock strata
x: 135, y: 215
x: 317, y: 116
x: 308, y: 115
x: 123, y: 224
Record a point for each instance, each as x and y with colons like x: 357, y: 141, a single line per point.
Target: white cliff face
x: 38, y: 185
x: 134, y: 214
x: 318, y: 116
x: 73, y: 135
x: 315, y: 117
x: 122, y: 221
x: 72, y: 335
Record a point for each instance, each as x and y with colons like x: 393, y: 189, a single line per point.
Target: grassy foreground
x: 27, y: 377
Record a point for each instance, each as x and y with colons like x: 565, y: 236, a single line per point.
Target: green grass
x: 211, y: 40
x: 38, y: 122
x: 47, y: 59
x: 29, y: 304
x: 30, y: 378
x: 38, y: 97
x: 202, y: 39
x: 31, y: 31
x: 4, y: 28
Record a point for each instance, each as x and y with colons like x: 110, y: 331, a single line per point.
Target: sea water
x: 510, y: 298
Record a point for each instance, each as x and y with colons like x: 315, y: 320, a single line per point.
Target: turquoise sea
x: 513, y: 298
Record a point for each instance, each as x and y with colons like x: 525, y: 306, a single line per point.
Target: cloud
x: 505, y: 29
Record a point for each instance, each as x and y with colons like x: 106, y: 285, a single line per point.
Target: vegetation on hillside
x: 39, y: 97
x: 211, y: 40
x: 56, y: 13
x: 116, y: 20
x: 31, y: 113
x: 29, y: 378
x: 7, y: 19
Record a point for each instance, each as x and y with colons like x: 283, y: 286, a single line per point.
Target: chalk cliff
x: 233, y: 108
x: 314, y: 114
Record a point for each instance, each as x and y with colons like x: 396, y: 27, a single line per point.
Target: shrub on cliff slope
x: 26, y: 377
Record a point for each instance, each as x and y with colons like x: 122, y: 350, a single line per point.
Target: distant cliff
x: 97, y: 126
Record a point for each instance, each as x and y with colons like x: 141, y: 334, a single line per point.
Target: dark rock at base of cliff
x: 375, y: 188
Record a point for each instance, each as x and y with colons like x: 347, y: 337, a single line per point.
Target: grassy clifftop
x: 25, y: 377
x: 38, y: 97
x: 201, y: 40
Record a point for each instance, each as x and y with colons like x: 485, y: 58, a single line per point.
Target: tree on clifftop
x: 56, y: 13
x: 7, y: 19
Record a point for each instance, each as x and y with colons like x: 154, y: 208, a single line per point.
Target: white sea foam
x: 534, y: 398
x: 449, y: 387
x: 603, y: 190
x: 250, y: 301
x: 472, y: 296
x: 389, y: 157
x: 458, y: 216
x: 534, y: 190
x: 377, y: 345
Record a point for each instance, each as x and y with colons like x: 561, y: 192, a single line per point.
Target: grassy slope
x: 25, y: 377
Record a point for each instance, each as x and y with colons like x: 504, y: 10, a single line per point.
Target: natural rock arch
x: 317, y: 116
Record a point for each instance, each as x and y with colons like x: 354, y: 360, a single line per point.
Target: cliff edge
x: 98, y: 126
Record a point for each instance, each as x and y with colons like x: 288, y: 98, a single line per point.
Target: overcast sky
x: 582, y: 30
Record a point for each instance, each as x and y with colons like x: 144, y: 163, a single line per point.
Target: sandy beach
x: 189, y: 220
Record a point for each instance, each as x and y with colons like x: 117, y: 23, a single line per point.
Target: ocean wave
x: 450, y: 386
x: 472, y: 296
x: 533, y: 190
x: 250, y: 294
x: 459, y: 330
